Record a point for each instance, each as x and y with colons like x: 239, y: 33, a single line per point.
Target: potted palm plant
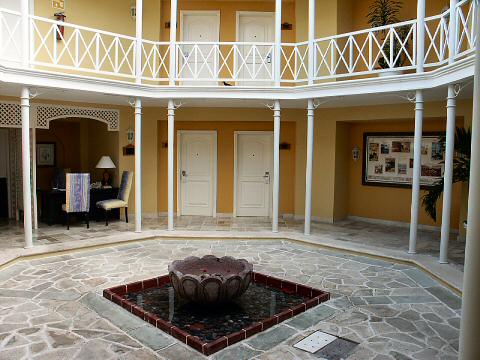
x: 461, y: 171
x: 383, y: 13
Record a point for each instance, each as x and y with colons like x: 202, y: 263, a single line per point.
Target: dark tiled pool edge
x: 315, y: 297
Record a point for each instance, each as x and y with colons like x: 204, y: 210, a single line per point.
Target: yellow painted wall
x: 328, y: 201
x: 386, y: 202
x: 228, y: 11
x: 108, y: 15
x: 226, y: 122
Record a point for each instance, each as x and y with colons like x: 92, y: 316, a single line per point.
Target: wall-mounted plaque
x: 388, y: 159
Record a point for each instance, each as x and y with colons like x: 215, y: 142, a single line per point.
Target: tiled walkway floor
x: 51, y: 308
x: 393, y: 237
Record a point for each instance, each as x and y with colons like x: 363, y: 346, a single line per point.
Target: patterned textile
x: 111, y: 204
x: 77, y: 193
x: 125, y: 186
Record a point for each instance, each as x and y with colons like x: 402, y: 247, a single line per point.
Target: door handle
x: 267, y: 177
x: 184, y: 173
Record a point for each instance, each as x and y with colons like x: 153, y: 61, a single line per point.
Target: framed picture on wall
x: 46, y: 154
x: 388, y: 159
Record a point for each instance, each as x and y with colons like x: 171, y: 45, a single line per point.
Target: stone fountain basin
x: 210, y: 279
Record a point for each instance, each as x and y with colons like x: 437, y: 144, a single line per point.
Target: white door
x: 199, y: 61
x: 254, y: 166
x: 255, y: 62
x: 197, y: 172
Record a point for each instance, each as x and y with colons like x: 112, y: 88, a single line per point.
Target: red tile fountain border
x: 314, y: 296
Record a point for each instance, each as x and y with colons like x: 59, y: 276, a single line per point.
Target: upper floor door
x: 199, y: 60
x: 254, y: 62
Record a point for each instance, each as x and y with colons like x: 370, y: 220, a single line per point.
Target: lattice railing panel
x: 155, y: 60
x: 436, y: 39
x: 294, y: 66
x: 76, y: 48
x: 369, y: 51
x: 10, y: 36
x: 467, y: 27
x: 235, y: 62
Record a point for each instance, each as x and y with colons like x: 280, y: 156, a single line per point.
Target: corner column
x: 309, y: 166
x: 171, y: 139
x: 173, y: 40
x: 25, y: 28
x: 138, y: 36
x: 27, y: 185
x: 450, y: 143
x: 276, y: 165
x: 470, y: 326
x: 278, y: 42
x: 311, y: 41
x: 138, y: 165
x: 417, y: 155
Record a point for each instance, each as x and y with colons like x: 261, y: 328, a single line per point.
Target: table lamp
x: 105, y: 163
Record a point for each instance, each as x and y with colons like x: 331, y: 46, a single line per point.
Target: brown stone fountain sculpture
x: 210, y: 280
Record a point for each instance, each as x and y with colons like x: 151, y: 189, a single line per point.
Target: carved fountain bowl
x: 210, y: 280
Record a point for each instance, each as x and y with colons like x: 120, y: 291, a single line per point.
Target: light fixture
x: 356, y: 153
x: 105, y: 163
x: 133, y: 9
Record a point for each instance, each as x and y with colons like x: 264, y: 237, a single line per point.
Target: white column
x: 138, y: 36
x: 278, y: 42
x: 27, y: 186
x: 138, y: 165
x: 417, y: 167
x: 276, y: 165
x: 311, y: 43
x: 470, y: 326
x: 450, y: 142
x: 25, y: 26
x: 171, y: 138
x: 309, y: 166
x: 420, y: 35
x: 34, y: 177
x: 173, y: 40
x: 417, y: 156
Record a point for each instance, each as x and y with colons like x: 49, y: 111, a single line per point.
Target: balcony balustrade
x: 65, y: 48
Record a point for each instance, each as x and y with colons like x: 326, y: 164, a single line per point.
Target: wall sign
x: 58, y: 4
x: 388, y: 159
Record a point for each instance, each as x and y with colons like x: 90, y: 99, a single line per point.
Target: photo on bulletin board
x: 388, y: 159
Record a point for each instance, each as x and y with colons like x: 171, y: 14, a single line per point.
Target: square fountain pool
x: 267, y: 302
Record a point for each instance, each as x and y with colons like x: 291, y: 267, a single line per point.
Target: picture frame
x: 388, y: 159
x: 46, y: 154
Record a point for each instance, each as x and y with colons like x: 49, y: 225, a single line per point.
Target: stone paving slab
x: 54, y: 308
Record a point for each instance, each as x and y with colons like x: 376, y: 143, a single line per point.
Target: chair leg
x: 88, y: 220
x: 126, y: 214
x: 68, y: 221
x: 106, y: 217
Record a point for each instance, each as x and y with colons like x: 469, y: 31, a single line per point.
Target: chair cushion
x: 111, y: 204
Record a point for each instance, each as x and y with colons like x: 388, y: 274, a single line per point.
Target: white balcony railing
x: 72, y: 49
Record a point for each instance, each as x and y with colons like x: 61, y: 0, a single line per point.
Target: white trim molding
x: 43, y: 114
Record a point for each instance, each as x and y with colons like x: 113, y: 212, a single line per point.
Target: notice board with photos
x: 388, y: 159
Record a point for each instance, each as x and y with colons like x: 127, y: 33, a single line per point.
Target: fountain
x: 210, y: 280
x: 212, y: 302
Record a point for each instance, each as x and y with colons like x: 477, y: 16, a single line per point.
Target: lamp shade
x: 105, y: 163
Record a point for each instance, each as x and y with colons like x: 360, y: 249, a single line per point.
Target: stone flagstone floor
x: 51, y: 308
x: 353, y: 231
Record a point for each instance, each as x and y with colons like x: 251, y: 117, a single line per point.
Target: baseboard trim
x: 397, y: 223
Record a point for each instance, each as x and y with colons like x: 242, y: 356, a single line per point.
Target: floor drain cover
x: 315, y: 342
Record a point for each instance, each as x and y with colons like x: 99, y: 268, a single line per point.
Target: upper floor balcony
x: 43, y: 45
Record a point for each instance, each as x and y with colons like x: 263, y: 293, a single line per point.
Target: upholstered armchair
x: 77, y: 195
x: 121, y: 202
